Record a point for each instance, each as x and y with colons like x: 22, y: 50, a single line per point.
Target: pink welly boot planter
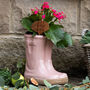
x: 39, y: 63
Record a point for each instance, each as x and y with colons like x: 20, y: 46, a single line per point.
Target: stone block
x: 71, y: 60
x: 21, y: 8
x: 12, y: 49
x: 4, y: 16
x: 85, y: 15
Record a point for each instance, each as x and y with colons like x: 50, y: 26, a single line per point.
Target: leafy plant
x: 21, y: 66
x: 86, y: 38
x: 50, y: 17
x: 2, y: 81
x: 17, y: 80
x: 6, y: 75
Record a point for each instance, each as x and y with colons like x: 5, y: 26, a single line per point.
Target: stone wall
x: 12, y: 46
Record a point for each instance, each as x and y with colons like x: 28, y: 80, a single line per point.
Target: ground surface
x: 72, y: 80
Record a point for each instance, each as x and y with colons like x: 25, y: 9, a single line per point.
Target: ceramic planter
x: 39, y: 63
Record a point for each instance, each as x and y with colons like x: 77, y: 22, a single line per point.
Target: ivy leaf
x: 32, y: 87
x: 18, y: 83
x: 2, y: 81
x: 16, y: 76
x: 6, y: 74
x: 47, y: 84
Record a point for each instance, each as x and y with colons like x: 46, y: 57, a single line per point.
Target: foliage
x: 6, y: 75
x: 17, y: 80
x: 21, y: 66
x: 86, y: 38
x: 51, y: 16
x: 19, y: 83
x: 85, y: 86
x: 2, y: 81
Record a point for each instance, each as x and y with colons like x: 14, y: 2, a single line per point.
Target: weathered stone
x: 4, y: 16
x: 11, y: 50
x: 21, y: 8
x: 70, y: 59
x: 85, y: 15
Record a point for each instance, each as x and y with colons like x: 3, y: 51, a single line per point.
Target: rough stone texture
x: 11, y: 50
x: 4, y: 16
x: 71, y: 59
x: 85, y: 15
x: 21, y: 8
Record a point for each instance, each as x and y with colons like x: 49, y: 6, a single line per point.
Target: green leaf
x: 48, y: 16
x: 86, y: 80
x: 2, y: 81
x: 26, y: 23
x: 55, y: 34
x: 65, y: 42
x: 86, y: 38
x: 54, y: 87
x: 19, y: 83
x: 34, y: 17
x: 58, y: 36
x: 68, y: 39
x: 34, y: 33
x: 47, y: 84
x: 68, y: 86
x: 32, y: 87
x: 6, y: 74
x: 24, y: 88
x: 16, y: 76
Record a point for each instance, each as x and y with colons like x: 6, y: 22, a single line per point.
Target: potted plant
x: 44, y: 29
x: 86, y: 45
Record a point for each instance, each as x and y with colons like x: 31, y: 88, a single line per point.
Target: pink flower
x: 43, y: 16
x: 32, y: 9
x: 35, y: 12
x: 57, y: 16
x: 46, y: 3
x: 59, y: 13
x: 36, y: 8
x: 54, y: 14
x: 45, y: 6
x: 53, y: 10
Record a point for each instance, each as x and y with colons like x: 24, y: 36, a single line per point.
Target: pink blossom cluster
x: 58, y: 15
x: 35, y: 11
x: 45, y: 5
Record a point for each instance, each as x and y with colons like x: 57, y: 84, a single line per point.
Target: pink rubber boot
x: 49, y: 65
x: 38, y: 63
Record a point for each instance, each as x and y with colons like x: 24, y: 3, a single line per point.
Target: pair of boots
x: 39, y: 63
